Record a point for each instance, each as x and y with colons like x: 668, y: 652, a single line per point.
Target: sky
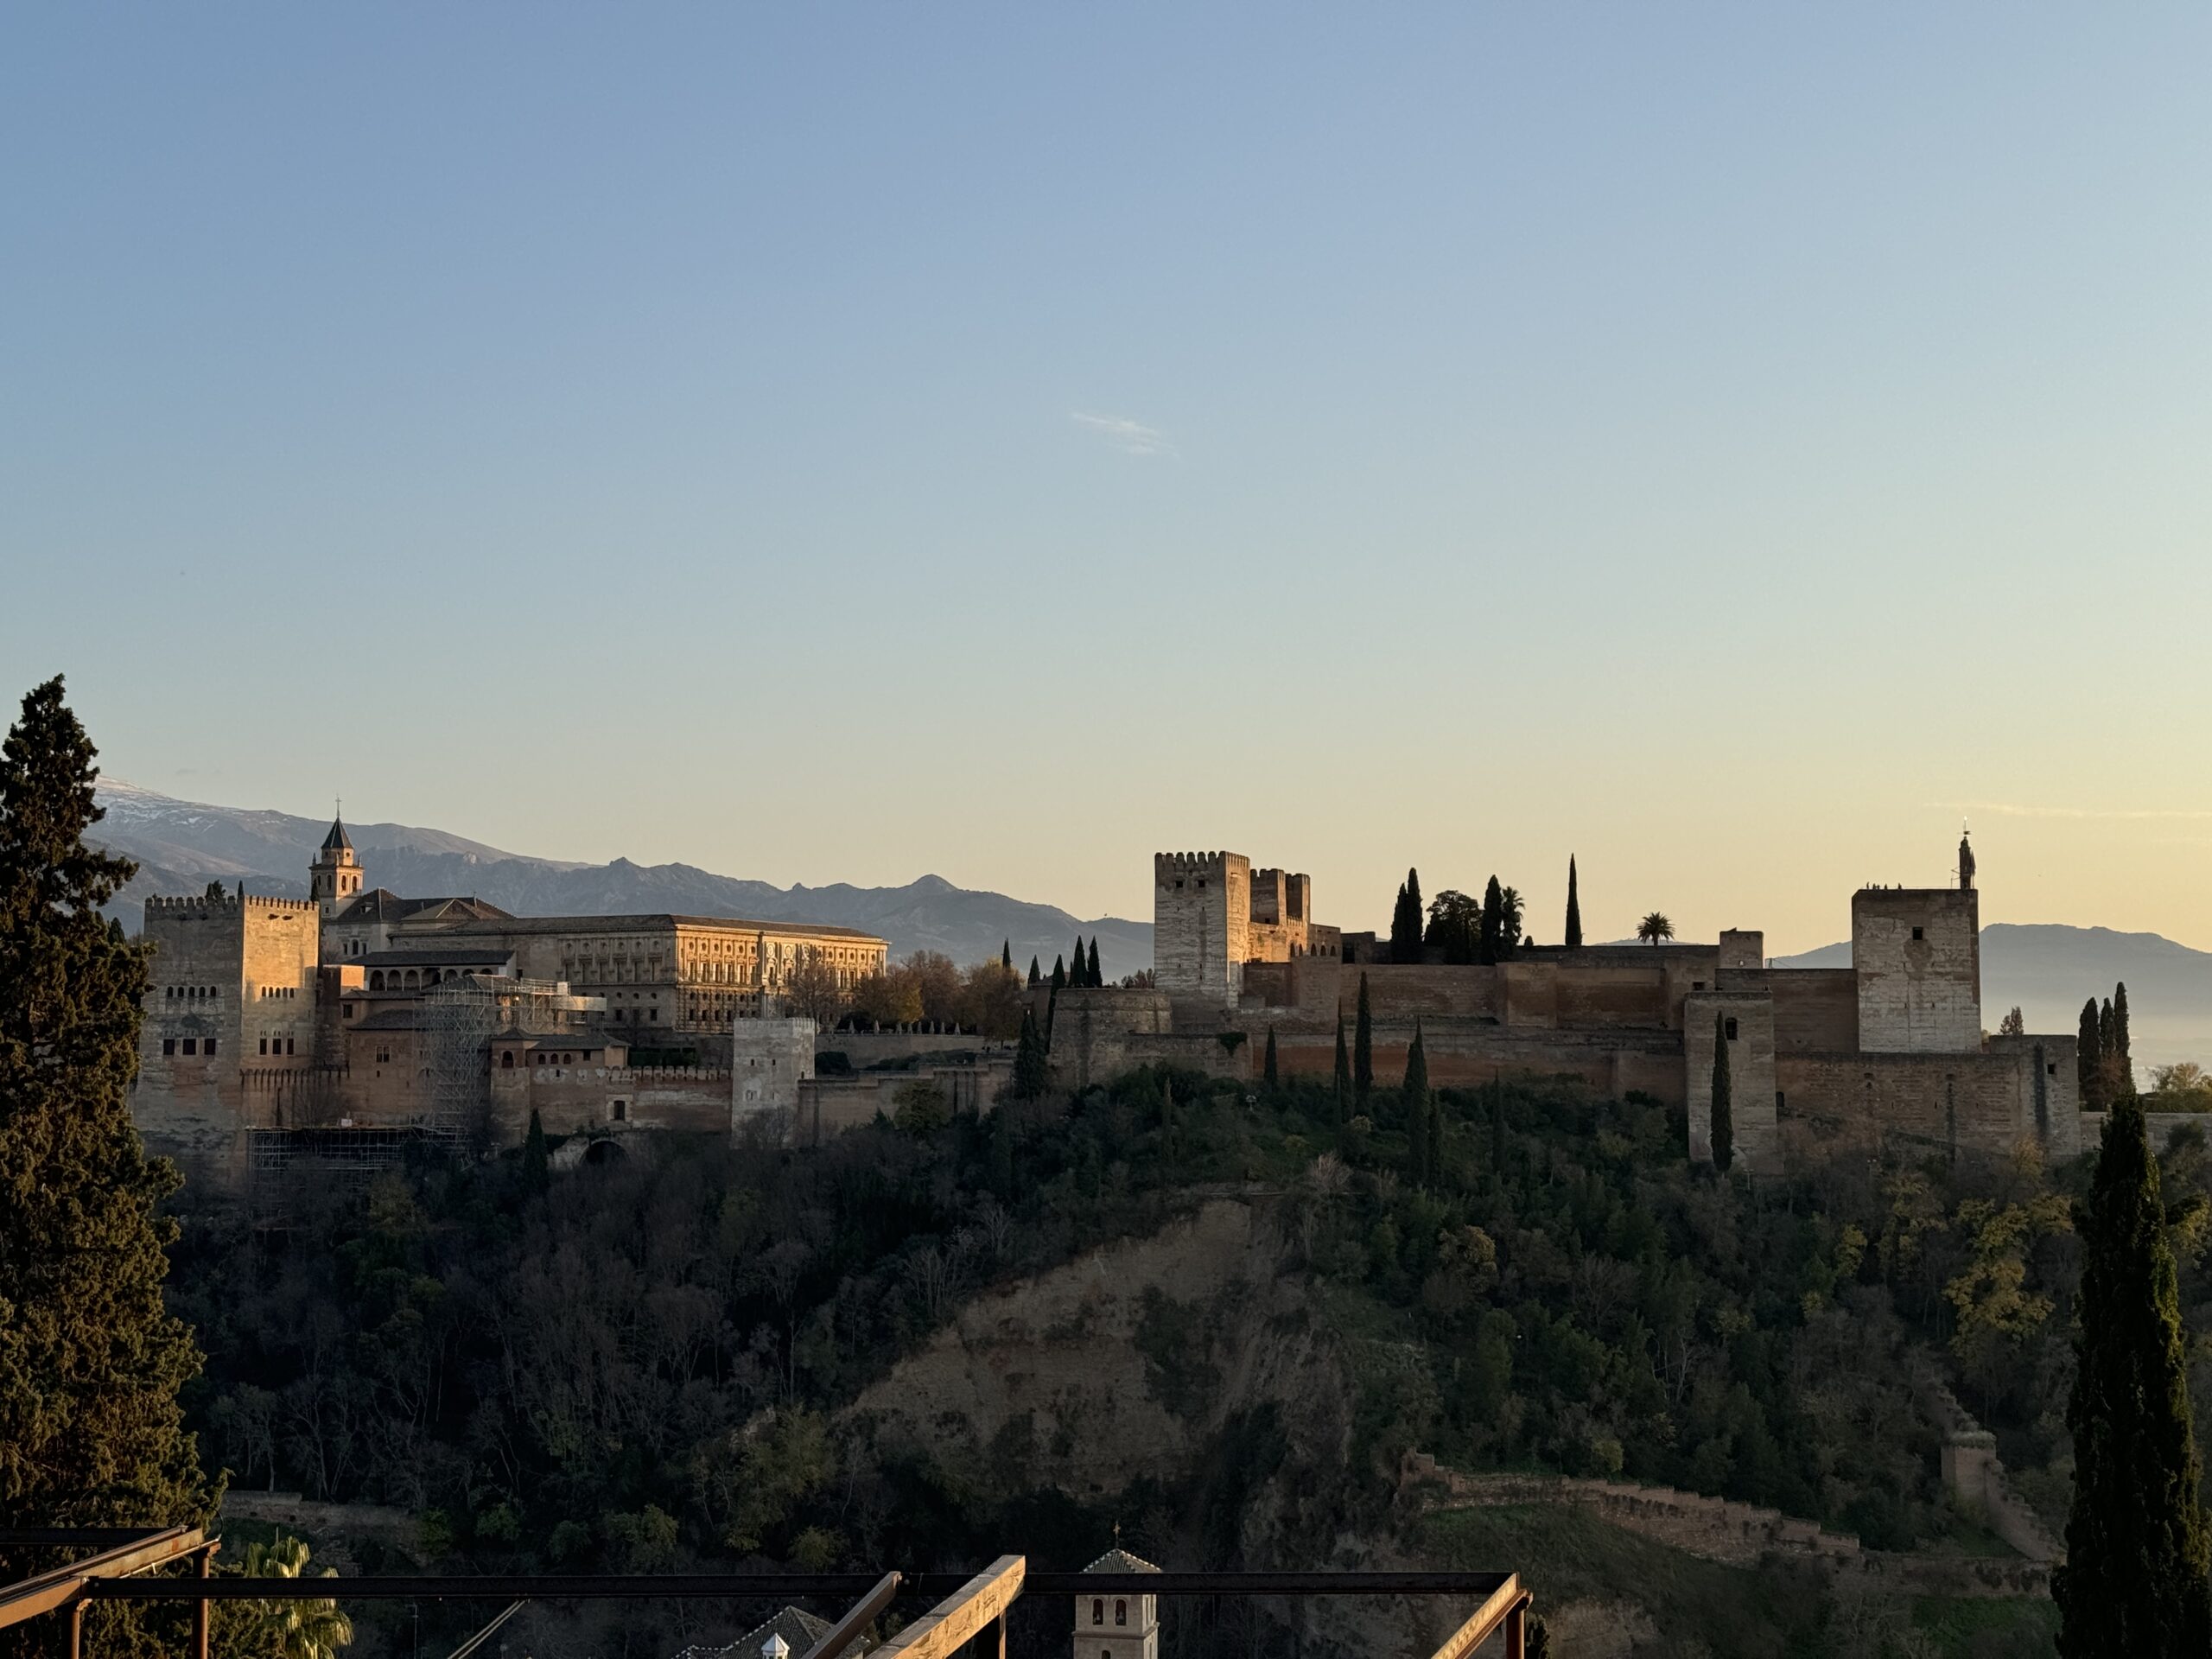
x: 1733, y: 444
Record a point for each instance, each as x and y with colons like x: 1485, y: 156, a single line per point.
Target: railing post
x: 77, y: 1627
x: 1516, y: 1633
x: 202, y: 1610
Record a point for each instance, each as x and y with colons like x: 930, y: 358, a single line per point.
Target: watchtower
x: 1916, y: 952
x: 335, y: 878
x: 1119, y: 1626
x: 1201, y: 924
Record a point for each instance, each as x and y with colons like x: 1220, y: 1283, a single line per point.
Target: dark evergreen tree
x: 1363, y: 1050
x: 1078, y: 975
x: 1489, y: 945
x: 2139, y: 1550
x: 1035, y: 978
x: 1497, y: 1131
x: 1344, y: 1076
x: 1006, y: 955
x: 1059, y: 974
x: 1420, y: 1162
x: 1097, y: 979
x: 1724, y: 1098
x: 2089, y: 1060
x: 1435, y: 1136
x: 2123, y: 1059
x: 536, y: 1172
x: 1271, y: 1075
x: 1031, y: 1060
x: 90, y: 1361
x: 1573, y: 908
x: 1405, y: 921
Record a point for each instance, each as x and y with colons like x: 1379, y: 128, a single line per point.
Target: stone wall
x: 1816, y: 1010
x: 830, y: 1106
x: 570, y: 1098
x: 1982, y: 1102
x: 1976, y: 1479
x: 1918, y: 955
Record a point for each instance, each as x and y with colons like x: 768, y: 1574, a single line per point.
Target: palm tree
x: 1654, y: 927
x: 285, y: 1630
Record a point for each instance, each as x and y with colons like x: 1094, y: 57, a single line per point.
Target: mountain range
x: 181, y: 846
x: 2047, y: 970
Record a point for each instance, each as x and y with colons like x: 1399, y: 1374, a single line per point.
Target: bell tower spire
x: 335, y: 878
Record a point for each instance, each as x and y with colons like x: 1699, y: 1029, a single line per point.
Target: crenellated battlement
x: 1176, y: 863
x: 227, y: 904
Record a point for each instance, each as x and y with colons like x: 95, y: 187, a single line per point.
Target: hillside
x: 2047, y: 970
x: 183, y: 845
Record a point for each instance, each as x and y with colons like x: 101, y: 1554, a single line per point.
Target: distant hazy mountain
x: 2048, y: 970
x: 181, y: 846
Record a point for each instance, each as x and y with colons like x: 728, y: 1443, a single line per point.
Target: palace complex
x: 361, y: 1010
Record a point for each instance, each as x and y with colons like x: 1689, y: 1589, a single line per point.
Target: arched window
x: 1121, y: 1612
x: 507, y: 1060
x: 1098, y: 1610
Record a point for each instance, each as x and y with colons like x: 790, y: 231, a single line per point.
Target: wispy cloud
x: 2105, y: 814
x: 1130, y: 437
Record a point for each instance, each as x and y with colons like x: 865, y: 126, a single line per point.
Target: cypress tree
x: 1573, y: 908
x: 1006, y: 955
x: 1059, y: 974
x: 1097, y: 979
x: 1491, y: 943
x: 1363, y: 1050
x: 2123, y: 1059
x: 1435, y: 1136
x: 2138, y: 1547
x: 1420, y: 1156
x: 535, y: 1169
x: 1405, y: 921
x: 90, y: 1359
x: 1031, y: 1060
x: 2107, y: 1042
x: 1724, y: 1099
x: 1035, y: 978
x: 1344, y: 1076
x: 2088, y: 1059
x: 1271, y: 1077
x: 1077, y: 976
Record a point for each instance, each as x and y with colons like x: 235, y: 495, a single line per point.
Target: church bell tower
x: 335, y: 878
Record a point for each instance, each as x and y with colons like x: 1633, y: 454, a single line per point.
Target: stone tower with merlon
x: 1917, y: 953
x: 1201, y: 924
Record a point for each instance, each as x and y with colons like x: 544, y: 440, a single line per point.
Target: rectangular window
x: 1779, y: 1101
x: 169, y: 1044
x: 1918, y: 933
x: 211, y: 1048
x: 192, y: 1045
x: 288, y: 1044
x: 264, y: 1045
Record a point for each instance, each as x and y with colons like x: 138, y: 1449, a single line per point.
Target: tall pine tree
x: 1031, y: 1066
x: 1573, y: 908
x: 1006, y: 955
x: 1724, y: 1098
x: 1271, y: 1075
x: 1420, y: 1158
x: 90, y: 1359
x: 1490, y: 944
x: 536, y: 1175
x: 1059, y: 974
x: 2089, y: 1060
x: 1035, y: 978
x: 1097, y: 979
x: 2138, y: 1547
x: 1363, y: 1050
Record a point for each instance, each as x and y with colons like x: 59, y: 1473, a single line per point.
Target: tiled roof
x: 659, y: 923
x: 799, y: 1629
x: 337, y: 839
x: 1118, y: 1559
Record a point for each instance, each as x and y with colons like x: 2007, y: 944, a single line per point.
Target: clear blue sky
x: 834, y: 444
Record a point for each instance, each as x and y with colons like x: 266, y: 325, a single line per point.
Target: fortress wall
x: 1466, y: 1055
x: 569, y: 1098
x: 1201, y: 910
x: 1829, y: 1101
x: 1401, y: 990
x: 1816, y: 1010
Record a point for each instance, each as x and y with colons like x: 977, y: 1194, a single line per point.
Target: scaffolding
x: 460, y: 1018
